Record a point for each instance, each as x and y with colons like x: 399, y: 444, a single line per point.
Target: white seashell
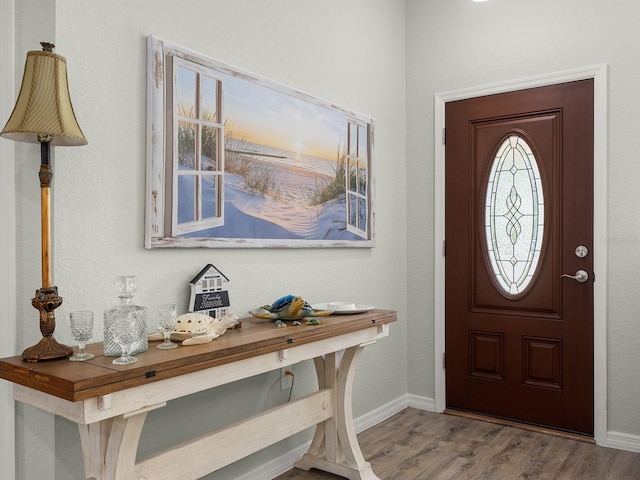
x: 189, y: 328
x: 193, y: 323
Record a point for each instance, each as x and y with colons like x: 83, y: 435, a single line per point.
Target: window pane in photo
x: 209, y: 161
x: 362, y: 214
x: 186, y: 145
x: 186, y: 86
x: 362, y: 178
x: 353, y: 171
x: 353, y: 210
x: 209, y: 109
x: 362, y: 142
x: 353, y: 139
x: 186, y: 198
x: 210, y: 196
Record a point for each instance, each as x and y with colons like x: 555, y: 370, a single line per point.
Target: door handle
x: 580, y: 276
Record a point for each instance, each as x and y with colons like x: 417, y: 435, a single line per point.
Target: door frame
x: 600, y: 76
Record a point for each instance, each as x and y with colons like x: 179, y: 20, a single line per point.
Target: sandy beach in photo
x: 289, y: 216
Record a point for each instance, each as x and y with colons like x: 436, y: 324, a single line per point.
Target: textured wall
x: 34, y: 23
x: 7, y: 239
x: 351, y: 53
x: 454, y: 45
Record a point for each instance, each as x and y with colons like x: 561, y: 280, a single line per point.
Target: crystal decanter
x: 126, y: 286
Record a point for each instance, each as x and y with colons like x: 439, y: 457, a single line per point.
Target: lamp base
x: 46, y: 301
x: 46, y: 349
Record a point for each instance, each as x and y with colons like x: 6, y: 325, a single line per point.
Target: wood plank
x: 120, y: 401
x: 415, y: 444
x: 193, y: 459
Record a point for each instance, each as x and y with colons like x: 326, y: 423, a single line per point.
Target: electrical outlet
x: 285, y: 380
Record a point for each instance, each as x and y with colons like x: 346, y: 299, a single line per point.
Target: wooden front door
x: 519, y: 216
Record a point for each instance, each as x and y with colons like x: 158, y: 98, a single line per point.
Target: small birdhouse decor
x: 208, y: 295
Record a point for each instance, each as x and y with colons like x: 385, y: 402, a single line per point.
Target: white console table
x: 110, y: 403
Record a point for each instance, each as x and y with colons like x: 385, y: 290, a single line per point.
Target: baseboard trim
x: 623, y: 441
x: 422, y: 403
x: 380, y: 414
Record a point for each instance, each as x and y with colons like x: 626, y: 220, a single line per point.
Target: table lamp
x: 43, y: 114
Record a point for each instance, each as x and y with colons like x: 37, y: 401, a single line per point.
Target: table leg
x: 91, y: 440
x: 109, y: 447
x: 335, y: 447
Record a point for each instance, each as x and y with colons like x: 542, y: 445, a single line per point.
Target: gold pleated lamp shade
x: 43, y: 109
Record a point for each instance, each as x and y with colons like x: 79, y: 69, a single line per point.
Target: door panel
x: 543, y: 131
x: 520, y: 349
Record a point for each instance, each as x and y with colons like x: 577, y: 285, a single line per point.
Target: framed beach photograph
x: 237, y: 160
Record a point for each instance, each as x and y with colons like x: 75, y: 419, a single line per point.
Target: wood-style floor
x: 418, y: 445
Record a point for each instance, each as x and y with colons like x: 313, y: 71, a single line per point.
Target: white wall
x: 351, y: 53
x: 34, y: 22
x: 7, y: 240
x: 460, y: 44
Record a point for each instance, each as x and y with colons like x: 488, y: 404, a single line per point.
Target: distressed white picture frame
x: 215, y: 132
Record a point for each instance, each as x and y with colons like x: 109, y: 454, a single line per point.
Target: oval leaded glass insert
x: 514, y: 215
